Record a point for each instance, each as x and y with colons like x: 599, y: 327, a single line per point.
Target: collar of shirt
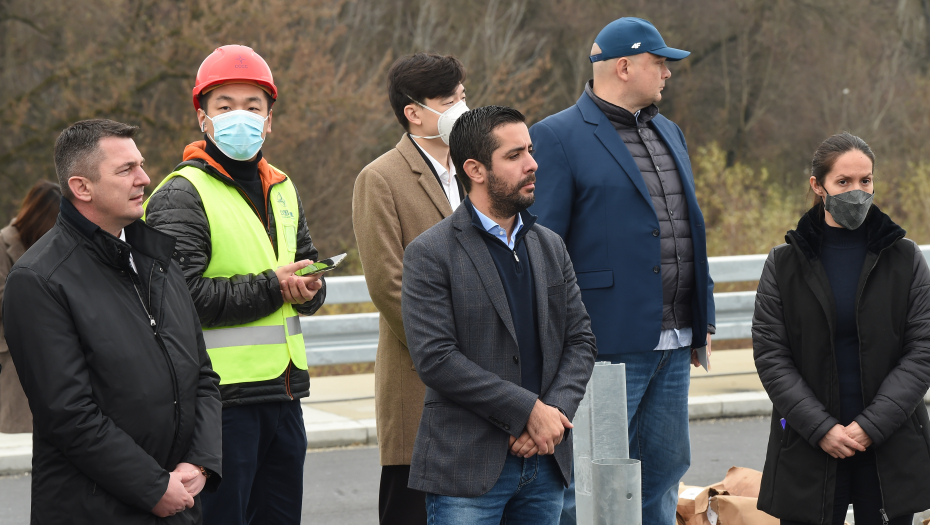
x: 445, y: 176
x: 497, y: 230
x: 122, y: 237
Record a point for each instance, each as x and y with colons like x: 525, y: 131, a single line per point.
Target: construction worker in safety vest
x: 241, y: 236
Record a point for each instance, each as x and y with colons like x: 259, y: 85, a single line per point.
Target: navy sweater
x: 843, y: 253
x: 516, y: 275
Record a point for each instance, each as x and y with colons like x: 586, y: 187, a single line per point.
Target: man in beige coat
x: 397, y: 197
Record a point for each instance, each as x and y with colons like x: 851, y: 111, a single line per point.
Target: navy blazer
x: 590, y: 192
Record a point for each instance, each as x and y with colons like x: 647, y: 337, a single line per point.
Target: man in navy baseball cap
x: 630, y: 36
x: 614, y: 180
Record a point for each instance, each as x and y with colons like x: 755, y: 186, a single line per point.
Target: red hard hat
x: 233, y: 63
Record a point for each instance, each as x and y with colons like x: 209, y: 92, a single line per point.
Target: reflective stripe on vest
x: 251, y: 335
x: 239, y: 245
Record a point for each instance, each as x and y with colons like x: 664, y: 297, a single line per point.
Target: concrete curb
x: 341, y: 433
x: 743, y: 404
x: 15, y: 461
x: 16, y: 449
x: 15, y: 453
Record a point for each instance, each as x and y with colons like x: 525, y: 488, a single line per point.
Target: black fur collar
x: 882, y: 231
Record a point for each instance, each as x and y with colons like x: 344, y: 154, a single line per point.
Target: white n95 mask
x: 446, y: 119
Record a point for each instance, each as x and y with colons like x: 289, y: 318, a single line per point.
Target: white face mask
x: 446, y: 120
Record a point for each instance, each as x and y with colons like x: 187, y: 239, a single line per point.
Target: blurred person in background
x: 841, y: 339
x: 35, y: 218
x: 397, y: 197
x: 242, y: 234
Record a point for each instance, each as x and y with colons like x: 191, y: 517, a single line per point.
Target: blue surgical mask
x: 238, y: 134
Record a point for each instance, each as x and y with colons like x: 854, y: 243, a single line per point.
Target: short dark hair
x: 831, y: 149
x: 422, y: 76
x: 472, y: 137
x: 77, y: 148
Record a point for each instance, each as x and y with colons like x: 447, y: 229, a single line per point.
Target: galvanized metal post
x: 584, y: 505
x: 617, y: 492
x: 600, y: 433
x: 609, y: 435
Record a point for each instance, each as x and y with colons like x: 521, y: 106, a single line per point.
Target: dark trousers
x: 398, y: 504
x: 264, y: 448
x: 857, y: 483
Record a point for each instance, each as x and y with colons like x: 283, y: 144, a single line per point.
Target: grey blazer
x: 463, y: 345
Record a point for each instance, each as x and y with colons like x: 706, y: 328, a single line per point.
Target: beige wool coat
x: 15, y: 416
x: 396, y: 198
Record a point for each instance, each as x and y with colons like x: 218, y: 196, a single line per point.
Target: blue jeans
x: 528, y: 492
x: 657, y: 407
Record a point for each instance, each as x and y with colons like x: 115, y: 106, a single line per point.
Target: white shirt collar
x: 446, y: 177
x: 122, y: 237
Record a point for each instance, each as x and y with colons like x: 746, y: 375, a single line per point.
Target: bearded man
x: 498, y: 334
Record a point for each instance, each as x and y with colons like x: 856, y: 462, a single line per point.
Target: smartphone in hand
x: 321, y: 266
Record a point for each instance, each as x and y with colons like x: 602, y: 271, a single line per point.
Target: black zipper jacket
x: 177, y: 209
x: 792, y: 332
x: 116, y: 372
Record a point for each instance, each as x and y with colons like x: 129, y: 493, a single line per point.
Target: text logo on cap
x: 636, y: 45
x: 240, y: 65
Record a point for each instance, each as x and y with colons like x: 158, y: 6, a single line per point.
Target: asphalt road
x: 341, y: 485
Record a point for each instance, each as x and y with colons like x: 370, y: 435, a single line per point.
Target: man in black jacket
x: 108, y: 347
x: 224, y: 204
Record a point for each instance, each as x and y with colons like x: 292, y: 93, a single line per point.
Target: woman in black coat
x: 841, y: 339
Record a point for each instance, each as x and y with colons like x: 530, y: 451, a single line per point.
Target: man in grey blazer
x: 498, y: 334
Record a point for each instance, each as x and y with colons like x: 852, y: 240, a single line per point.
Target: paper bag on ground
x: 730, y: 502
x: 692, y: 504
x: 744, y: 482
x: 736, y: 504
x: 739, y: 510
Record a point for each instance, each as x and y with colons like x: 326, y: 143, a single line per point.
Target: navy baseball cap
x: 629, y: 36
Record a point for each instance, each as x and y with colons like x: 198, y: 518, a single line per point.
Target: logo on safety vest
x: 284, y: 211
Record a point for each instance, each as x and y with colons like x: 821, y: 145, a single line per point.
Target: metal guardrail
x: 353, y: 338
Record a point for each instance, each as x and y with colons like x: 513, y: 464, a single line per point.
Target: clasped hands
x: 296, y: 289
x: 185, y: 482
x: 544, y: 430
x: 843, y: 442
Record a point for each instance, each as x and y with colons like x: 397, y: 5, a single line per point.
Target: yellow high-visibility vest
x: 262, y: 349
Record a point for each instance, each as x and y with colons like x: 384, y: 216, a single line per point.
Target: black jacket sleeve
x: 306, y: 250
x: 791, y: 396
x: 177, y: 209
x: 61, y: 398
x: 904, y: 387
x: 206, y: 447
